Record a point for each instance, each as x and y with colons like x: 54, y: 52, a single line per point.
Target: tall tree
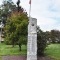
x: 16, y: 28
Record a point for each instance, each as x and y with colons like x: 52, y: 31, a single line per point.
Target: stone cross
x: 32, y: 40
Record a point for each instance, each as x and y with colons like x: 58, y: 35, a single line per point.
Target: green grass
x: 0, y: 57
x: 53, y: 51
x: 9, y: 50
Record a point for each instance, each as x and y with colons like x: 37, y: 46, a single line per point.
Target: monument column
x: 32, y: 40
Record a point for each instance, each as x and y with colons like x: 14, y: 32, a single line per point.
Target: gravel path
x: 23, y: 58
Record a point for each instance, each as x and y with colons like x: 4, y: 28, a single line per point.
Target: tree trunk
x: 13, y: 43
x: 19, y: 47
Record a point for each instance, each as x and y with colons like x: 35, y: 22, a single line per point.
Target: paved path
x: 14, y: 58
x: 23, y: 58
x: 44, y: 58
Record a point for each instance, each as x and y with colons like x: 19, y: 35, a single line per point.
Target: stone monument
x: 32, y: 40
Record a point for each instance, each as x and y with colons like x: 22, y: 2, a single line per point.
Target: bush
x: 41, y: 42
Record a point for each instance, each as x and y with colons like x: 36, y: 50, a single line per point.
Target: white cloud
x: 46, y: 23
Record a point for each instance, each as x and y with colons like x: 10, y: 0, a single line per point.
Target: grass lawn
x: 0, y: 57
x: 9, y: 50
x: 53, y: 51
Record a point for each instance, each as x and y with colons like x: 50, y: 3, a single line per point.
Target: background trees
x: 6, y: 8
x: 55, y: 36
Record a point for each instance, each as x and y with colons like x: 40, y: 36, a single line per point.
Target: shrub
x: 41, y: 42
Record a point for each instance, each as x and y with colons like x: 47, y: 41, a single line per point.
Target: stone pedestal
x: 32, y: 40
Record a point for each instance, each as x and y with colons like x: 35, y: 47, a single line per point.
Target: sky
x: 47, y: 12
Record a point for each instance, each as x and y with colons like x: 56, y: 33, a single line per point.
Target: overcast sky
x: 47, y: 12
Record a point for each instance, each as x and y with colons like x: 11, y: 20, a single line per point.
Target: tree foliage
x: 5, y: 9
x: 55, y: 36
x: 41, y: 42
x: 16, y: 29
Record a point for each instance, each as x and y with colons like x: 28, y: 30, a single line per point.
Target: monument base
x: 32, y: 57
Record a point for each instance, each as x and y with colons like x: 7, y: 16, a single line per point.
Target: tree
x: 6, y: 9
x: 55, y: 36
x: 16, y: 28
